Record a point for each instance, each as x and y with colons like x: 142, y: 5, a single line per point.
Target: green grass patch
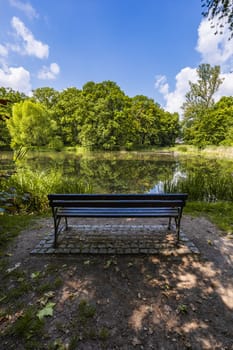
x: 86, y: 311
x: 208, y: 151
x: 10, y: 227
x: 220, y: 213
x: 27, y: 325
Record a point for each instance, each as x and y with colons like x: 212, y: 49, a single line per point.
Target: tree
x: 169, y: 128
x: 221, y: 122
x: 101, y: 115
x: 199, y: 100
x: 29, y: 125
x: 46, y: 96
x: 222, y: 10
x: 7, y: 99
x: 65, y: 115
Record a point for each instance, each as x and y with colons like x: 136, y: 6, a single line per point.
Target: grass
x: 220, y: 213
x: 10, y: 226
x: 37, y: 184
x: 202, y: 186
x: 27, y: 327
x: 208, y: 151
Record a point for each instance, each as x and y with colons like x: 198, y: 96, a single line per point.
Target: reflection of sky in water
x: 177, y: 176
x: 159, y: 186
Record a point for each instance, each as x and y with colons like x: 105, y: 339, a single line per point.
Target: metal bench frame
x: 166, y: 205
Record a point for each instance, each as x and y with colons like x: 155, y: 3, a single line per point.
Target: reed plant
x: 32, y: 187
x: 203, y: 187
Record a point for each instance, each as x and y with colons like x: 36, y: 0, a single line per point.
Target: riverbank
x: 223, y: 152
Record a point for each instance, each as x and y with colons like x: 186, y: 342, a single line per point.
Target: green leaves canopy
x: 100, y: 116
x: 29, y: 125
x: 200, y: 124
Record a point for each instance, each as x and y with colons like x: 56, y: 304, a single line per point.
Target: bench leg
x: 56, y: 230
x: 66, y: 223
x: 177, y: 220
x: 169, y: 224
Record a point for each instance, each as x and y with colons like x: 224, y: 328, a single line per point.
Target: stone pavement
x: 116, y: 239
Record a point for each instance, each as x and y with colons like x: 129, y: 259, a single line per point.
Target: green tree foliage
x: 7, y: 99
x: 108, y: 119
x: 29, y: 125
x: 222, y: 10
x: 49, y: 98
x: 221, y: 122
x: 46, y: 96
x: 199, y: 102
x: 100, y: 116
x: 65, y: 115
x: 169, y: 128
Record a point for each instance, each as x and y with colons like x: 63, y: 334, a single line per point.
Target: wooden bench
x: 164, y: 205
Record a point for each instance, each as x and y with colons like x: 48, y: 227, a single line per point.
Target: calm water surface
x: 121, y: 172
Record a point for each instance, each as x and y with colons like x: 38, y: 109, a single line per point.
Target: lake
x: 135, y: 172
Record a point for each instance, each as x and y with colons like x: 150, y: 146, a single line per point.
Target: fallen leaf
x: 46, y: 311
x: 108, y: 264
x: 35, y: 274
x: 43, y: 301
x: 87, y: 262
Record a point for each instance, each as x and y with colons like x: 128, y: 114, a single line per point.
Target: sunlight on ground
x: 73, y: 289
x: 157, y: 313
x: 136, y: 320
x: 193, y: 325
x: 187, y: 280
x: 210, y: 343
x: 226, y: 294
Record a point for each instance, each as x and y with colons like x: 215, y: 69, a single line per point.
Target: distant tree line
x: 101, y: 116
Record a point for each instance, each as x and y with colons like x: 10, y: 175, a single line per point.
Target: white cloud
x: 161, y: 84
x: 26, y: 7
x: 215, y: 50
x: 176, y: 98
x: 31, y: 46
x: 49, y: 73
x: 226, y: 88
x: 16, y: 78
x: 3, y: 51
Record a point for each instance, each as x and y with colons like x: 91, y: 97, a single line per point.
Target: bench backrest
x: 118, y: 200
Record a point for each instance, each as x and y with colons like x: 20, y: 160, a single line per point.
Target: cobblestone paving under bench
x: 116, y: 239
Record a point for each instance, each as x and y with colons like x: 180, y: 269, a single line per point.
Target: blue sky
x: 147, y: 47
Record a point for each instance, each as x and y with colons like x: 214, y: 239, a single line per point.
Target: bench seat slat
x: 116, y: 196
x: 119, y: 212
x: 118, y: 204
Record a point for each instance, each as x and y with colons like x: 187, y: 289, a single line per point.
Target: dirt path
x: 123, y: 302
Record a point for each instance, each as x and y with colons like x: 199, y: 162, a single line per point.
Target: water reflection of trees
x: 124, y: 175
x: 130, y: 171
